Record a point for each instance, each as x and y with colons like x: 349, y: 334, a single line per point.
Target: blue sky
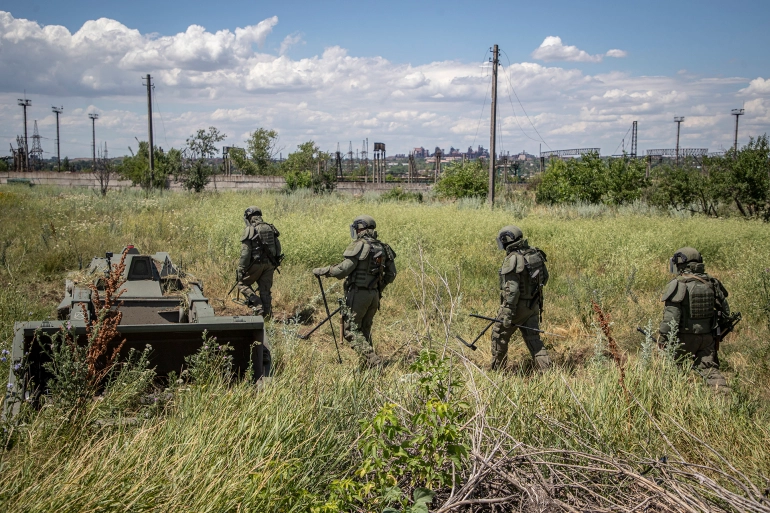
x: 406, y: 73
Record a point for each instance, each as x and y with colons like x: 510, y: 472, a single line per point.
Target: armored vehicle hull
x: 159, y: 306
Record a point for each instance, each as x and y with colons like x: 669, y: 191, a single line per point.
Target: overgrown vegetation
x: 432, y: 430
x: 463, y: 180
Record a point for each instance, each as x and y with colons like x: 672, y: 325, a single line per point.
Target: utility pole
x: 492, y: 128
x: 148, y: 78
x: 678, y: 120
x: 634, y: 128
x: 24, y: 104
x: 57, y: 111
x: 737, y: 113
x: 94, y: 116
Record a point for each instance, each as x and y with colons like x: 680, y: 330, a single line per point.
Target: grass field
x: 289, y: 445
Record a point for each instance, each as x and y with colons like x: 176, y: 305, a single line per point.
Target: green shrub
x: 399, y: 194
x: 463, y: 180
x: 591, y: 179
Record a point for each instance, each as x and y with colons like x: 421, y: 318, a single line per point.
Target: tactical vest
x: 529, y: 264
x: 263, y: 236
x: 697, y: 297
x: 700, y: 314
x: 371, y: 263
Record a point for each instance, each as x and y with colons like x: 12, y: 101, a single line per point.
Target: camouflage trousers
x: 262, y: 275
x: 701, y: 349
x: 361, y: 306
x: 523, y: 315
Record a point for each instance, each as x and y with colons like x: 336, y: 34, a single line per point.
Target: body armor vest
x: 370, y: 271
x: 263, y: 236
x: 529, y: 264
x: 699, y: 314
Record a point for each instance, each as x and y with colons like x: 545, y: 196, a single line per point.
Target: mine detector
x: 160, y: 306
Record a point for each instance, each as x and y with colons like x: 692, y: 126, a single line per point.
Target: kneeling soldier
x: 368, y: 268
x: 522, y: 278
x: 695, y: 302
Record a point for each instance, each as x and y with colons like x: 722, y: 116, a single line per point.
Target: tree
x: 137, y: 166
x: 591, y: 179
x: 304, y: 168
x: 743, y: 177
x: 65, y: 164
x: 463, y: 180
x: 104, y: 170
x: 196, y: 170
x: 257, y: 158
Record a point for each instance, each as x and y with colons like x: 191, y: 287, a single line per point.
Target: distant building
x: 419, y: 153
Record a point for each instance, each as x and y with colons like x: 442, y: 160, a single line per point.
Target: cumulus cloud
x: 289, y: 41
x: 757, y: 87
x: 552, y: 49
x: 228, y: 79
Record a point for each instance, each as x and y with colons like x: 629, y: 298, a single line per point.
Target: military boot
x: 716, y: 381
x: 255, y: 303
x: 543, y: 362
x: 498, y: 363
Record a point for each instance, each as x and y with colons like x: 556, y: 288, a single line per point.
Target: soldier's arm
x: 671, y: 312
x: 245, y: 260
x: 343, y: 269
x: 278, y: 249
x: 511, y: 291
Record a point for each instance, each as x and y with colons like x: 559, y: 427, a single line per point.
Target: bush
x: 463, y: 180
x: 591, y: 179
x: 399, y: 194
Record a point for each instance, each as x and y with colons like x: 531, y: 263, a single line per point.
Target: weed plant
x: 295, y: 442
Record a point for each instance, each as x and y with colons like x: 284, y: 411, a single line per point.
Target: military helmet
x: 507, y: 235
x: 362, y: 223
x: 250, y: 212
x: 684, y: 256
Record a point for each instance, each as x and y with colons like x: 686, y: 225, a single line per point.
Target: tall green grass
x: 279, y: 447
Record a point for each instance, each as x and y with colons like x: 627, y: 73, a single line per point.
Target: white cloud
x: 289, y: 41
x: 552, y: 49
x: 757, y: 87
x: 227, y: 79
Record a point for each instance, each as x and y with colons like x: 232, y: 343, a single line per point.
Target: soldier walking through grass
x: 369, y: 266
x: 522, y: 278
x: 696, y: 305
x: 260, y: 257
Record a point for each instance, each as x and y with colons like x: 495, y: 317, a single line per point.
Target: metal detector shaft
x: 307, y: 335
x: 329, y: 315
x: 494, y: 320
x: 472, y: 345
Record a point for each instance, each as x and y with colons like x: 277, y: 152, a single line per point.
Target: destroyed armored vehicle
x: 159, y: 306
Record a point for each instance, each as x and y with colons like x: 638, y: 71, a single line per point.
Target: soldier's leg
x: 533, y: 341
x: 705, y: 363
x: 501, y: 335
x: 244, y: 287
x: 255, y: 273
x: 265, y: 285
x: 361, y: 305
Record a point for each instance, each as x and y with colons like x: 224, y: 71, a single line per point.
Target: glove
x: 239, y: 275
x: 321, y: 271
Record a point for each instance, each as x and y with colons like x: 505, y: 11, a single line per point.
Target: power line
x: 157, y: 109
x: 622, y: 141
x: 521, y: 105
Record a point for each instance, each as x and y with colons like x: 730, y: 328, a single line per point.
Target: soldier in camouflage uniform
x: 522, y: 277
x: 695, y: 303
x: 260, y: 256
x: 368, y: 268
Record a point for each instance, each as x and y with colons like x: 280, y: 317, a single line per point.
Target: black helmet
x: 362, y: 223
x: 682, y: 257
x: 507, y: 235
